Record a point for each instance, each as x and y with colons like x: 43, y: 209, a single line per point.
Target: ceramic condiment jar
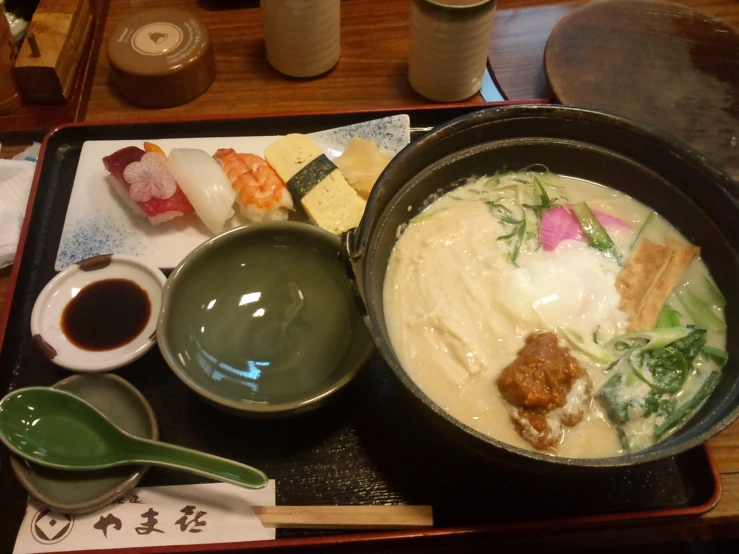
x: 161, y: 58
x: 302, y: 36
x: 450, y: 40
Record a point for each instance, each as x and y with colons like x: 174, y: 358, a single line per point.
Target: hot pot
x: 660, y: 171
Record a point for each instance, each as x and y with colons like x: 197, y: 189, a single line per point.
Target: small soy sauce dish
x: 98, y: 314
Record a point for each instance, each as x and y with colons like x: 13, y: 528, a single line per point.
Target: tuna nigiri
x: 261, y: 194
x: 145, y: 183
x: 205, y: 185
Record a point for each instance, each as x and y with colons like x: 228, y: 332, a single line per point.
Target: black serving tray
x: 368, y: 445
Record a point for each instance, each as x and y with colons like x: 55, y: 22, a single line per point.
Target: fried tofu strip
x: 648, y: 278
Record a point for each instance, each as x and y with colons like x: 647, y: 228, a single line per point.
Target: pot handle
x: 347, y: 244
x: 357, y: 242
x: 354, y: 264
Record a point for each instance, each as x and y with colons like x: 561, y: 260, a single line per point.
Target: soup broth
x: 503, y: 258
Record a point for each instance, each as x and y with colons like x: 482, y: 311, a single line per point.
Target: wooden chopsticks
x: 337, y: 517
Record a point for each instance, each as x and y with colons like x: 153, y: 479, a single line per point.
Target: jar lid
x: 161, y: 57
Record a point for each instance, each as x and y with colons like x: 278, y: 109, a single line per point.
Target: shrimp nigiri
x: 260, y: 193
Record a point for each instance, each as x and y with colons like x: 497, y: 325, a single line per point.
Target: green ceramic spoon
x: 57, y: 429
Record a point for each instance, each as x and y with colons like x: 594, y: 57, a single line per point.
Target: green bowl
x: 262, y: 320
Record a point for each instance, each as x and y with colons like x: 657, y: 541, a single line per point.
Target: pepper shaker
x: 450, y: 41
x: 302, y: 36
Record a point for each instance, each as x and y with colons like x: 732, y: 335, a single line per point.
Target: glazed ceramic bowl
x: 262, y: 320
x: 658, y: 170
x: 46, y: 327
x: 82, y: 492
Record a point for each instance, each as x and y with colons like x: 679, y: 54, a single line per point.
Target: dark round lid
x: 159, y: 42
x: 660, y: 63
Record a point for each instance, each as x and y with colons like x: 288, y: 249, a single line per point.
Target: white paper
x: 211, y: 513
x: 15, y: 184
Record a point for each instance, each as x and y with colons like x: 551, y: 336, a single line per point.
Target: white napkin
x: 15, y: 184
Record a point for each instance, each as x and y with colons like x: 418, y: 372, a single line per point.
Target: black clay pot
x: 660, y: 171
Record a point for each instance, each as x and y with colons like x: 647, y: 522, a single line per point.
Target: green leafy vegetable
x: 544, y: 201
x: 663, y: 320
x: 517, y: 235
x: 617, y: 409
x: 656, y: 338
x: 518, y: 201
x: 720, y: 356
x: 509, y: 235
x: 675, y: 318
x: 714, y: 294
x: 518, y: 217
x: 502, y: 212
x: 594, y: 231
x: 591, y: 350
x: 644, y: 393
x: 668, y: 317
x: 701, y: 313
x: 519, y: 241
x: 650, y: 217
x: 691, y: 344
x: 543, y: 196
x: 686, y: 409
x: 664, y: 370
x: 631, y: 379
x: 656, y: 404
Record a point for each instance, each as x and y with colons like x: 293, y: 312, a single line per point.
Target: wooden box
x: 49, y: 56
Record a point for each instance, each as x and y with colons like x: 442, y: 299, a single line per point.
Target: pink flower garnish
x: 558, y: 224
x: 150, y: 178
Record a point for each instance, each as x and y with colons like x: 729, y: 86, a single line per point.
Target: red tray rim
x: 546, y: 525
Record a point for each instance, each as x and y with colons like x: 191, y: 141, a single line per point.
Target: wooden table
x: 372, y: 74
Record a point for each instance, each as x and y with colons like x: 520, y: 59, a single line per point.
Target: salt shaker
x: 302, y: 36
x: 450, y: 41
x: 10, y: 98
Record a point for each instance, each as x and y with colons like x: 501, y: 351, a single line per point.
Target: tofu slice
x: 648, y: 278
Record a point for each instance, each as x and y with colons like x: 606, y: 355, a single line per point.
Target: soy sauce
x: 106, y: 314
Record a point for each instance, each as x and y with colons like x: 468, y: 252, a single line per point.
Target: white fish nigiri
x: 205, y: 184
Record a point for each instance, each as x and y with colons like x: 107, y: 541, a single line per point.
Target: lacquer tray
x: 367, y: 446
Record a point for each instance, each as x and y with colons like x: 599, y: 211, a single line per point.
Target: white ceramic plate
x: 47, y: 312
x: 97, y: 221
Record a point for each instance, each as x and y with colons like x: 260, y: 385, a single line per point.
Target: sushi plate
x: 98, y: 222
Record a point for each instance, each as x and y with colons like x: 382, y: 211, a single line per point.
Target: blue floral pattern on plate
x: 391, y: 134
x: 98, y: 234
